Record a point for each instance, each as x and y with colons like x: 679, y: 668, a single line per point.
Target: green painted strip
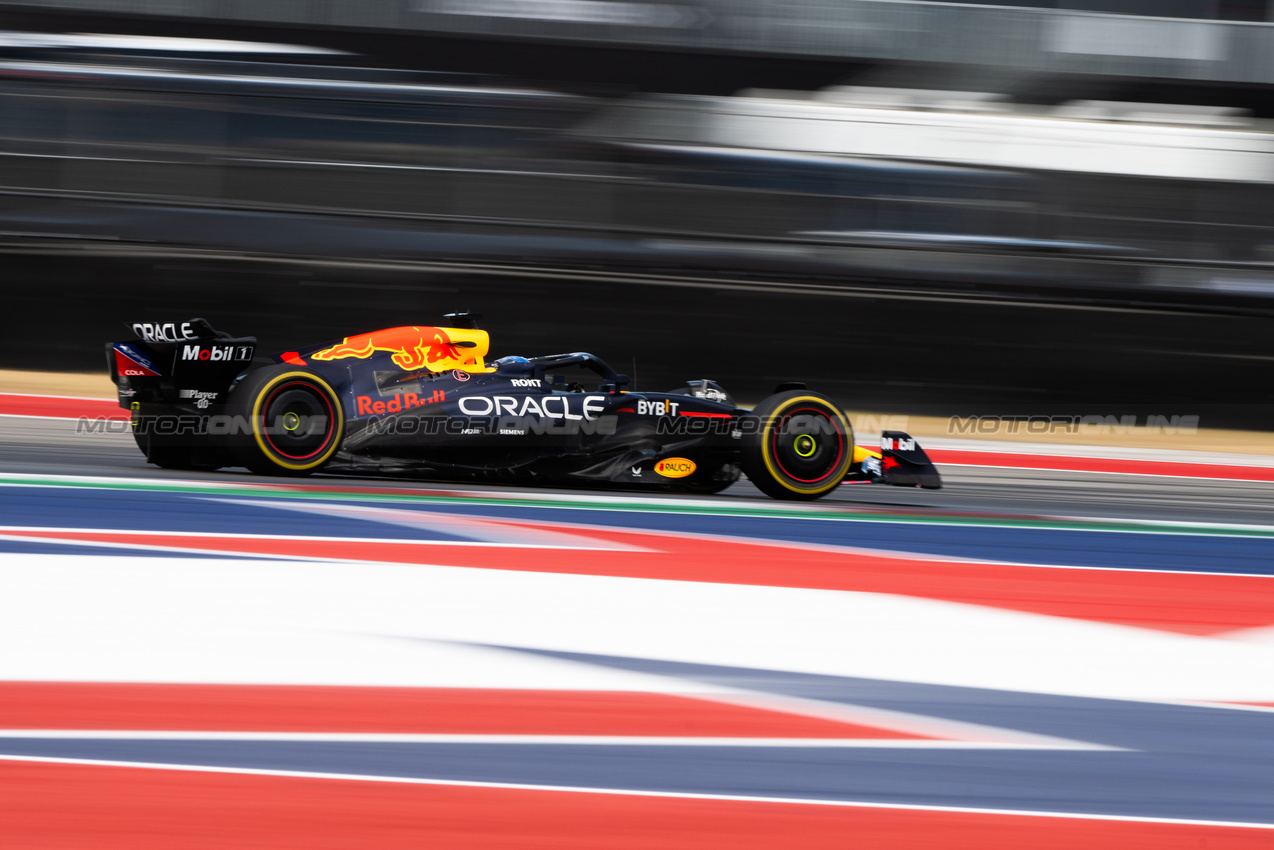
x: 758, y: 510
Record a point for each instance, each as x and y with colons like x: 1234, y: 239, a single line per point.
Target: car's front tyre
x: 797, y: 445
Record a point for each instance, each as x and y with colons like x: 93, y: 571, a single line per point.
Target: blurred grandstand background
x: 1040, y: 204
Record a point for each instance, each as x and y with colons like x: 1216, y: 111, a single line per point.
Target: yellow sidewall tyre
x: 294, y: 421
x: 798, y: 445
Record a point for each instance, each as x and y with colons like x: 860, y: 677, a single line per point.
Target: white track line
x: 555, y: 740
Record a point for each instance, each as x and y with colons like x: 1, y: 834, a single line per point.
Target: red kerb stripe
x: 1097, y: 464
x: 455, y: 711
x: 13, y: 404
x: 69, y: 807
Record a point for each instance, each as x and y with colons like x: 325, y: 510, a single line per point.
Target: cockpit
x: 576, y: 372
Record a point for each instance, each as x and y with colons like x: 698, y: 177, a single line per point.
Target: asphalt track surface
x: 1064, y: 658
x: 52, y: 446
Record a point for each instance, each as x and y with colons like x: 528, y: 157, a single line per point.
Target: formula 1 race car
x: 424, y: 401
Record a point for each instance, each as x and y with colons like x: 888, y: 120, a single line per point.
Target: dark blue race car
x: 425, y: 401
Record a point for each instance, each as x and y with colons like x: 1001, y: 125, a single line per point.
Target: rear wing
x: 178, y: 362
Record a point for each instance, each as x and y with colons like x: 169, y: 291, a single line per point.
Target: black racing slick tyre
x: 288, y: 421
x: 797, y: 445
x: 171, y: 456
x: 170, y: 448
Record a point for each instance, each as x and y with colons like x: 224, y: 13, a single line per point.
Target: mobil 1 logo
x: 217, y: 353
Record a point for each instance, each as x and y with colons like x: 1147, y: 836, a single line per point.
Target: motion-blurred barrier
x: 771, y: 180
x: 1111, y: 37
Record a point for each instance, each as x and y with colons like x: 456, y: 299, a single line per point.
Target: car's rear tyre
x: 797, y: 445
x: 290, y: 421
x: 167, y: 455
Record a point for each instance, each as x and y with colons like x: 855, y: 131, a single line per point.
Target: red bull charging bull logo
x: 413, y: 348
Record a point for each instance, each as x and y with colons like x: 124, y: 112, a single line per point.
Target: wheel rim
x: 297, y: 421
x: 808, y: 445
